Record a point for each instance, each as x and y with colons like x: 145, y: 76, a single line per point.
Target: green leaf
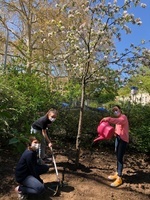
x: 13, y: 141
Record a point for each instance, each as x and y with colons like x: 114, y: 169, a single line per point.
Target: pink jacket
x: 122, y: 126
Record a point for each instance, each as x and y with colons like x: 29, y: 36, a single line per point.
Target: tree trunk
x: 6, y: 49
x: 78, y: 139
x: 29, y: 48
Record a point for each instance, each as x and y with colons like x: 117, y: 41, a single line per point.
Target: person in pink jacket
x: 122, y: 138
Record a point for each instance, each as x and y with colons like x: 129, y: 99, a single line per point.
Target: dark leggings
x: 120, y: 148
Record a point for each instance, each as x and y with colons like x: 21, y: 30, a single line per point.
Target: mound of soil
x: 89, y: 181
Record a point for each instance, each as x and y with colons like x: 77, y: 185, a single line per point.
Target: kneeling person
x: 28, y: 171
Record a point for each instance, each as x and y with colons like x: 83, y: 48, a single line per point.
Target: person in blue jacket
x: 28, y: 171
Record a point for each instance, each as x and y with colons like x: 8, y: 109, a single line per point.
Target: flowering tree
x: 28, y: 32
x: 89, y: 52
x: 77, y: 39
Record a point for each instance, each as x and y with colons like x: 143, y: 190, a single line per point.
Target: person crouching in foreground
x: 122, y: 138
x: 27, y: 172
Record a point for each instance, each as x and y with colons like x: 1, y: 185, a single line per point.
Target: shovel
x: 56, y: 185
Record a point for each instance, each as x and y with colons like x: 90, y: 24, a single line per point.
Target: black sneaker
x: 41, y: 161
x: 47, y: 160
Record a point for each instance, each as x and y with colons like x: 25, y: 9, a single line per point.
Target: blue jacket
x: 27, y: 166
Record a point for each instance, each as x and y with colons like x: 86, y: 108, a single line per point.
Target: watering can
x: 105, y: 131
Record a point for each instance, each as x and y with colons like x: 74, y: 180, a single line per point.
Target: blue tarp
x: 102, y: 109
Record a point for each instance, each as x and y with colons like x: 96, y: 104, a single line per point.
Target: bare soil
x: 89, y: 182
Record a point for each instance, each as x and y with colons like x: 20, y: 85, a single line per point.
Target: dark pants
x: 120, y: 148
x: 32, y: 185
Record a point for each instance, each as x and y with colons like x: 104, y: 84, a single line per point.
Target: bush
x: 23, y: 97
x: 139, y: 127
x: 12, y: 102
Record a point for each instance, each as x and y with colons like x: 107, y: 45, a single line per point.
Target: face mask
x: 52, y: 119
x: 116, y: 113
x: 36, y: 146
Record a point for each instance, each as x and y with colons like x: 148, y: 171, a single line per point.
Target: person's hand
x: 49, y: 144
x: 115, y: 134
x: 104, y: 120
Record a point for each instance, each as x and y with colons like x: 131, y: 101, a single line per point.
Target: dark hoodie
x: 27, y: 166
x: 41, y: 123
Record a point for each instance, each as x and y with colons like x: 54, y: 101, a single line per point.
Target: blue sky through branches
x: 139, y: 33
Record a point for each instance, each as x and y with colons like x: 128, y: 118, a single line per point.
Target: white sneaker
x: 20, y: 195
